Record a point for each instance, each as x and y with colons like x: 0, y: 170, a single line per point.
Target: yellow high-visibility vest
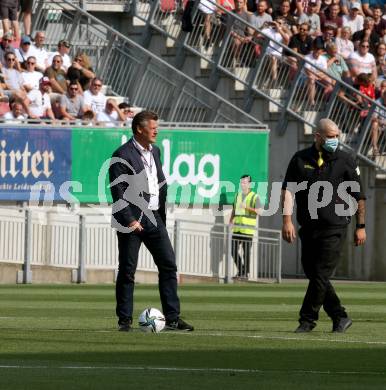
x: 245, y: 217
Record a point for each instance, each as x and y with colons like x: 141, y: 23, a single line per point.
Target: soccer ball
x: 151, y: 320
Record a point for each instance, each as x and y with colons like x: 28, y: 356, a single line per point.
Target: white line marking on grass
x: 286, y: 338
x: 192, y: 369
x: 244, y: 336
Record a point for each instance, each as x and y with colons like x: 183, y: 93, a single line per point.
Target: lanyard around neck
x: 150, y: 166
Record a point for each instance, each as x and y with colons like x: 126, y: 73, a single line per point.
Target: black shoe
x: 305, y: 327
x: 341, y: 325
x: 125, y: 325
x: 178, y: 325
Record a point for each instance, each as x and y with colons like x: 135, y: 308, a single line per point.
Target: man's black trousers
x: 157, y: 241
x: 245, y: 240
x: 321, y: 249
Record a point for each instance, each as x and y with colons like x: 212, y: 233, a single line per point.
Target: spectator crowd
x: 47, y: 86
x: 345, y: 39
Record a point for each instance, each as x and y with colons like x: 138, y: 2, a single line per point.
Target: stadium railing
x: 132, y: 71
x: 252, y: 71
x: 81, y: 242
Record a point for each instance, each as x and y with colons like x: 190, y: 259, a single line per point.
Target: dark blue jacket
x: 131, y: 192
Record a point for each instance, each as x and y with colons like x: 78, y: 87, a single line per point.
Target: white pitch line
x: 192, y: 369
x: 304, y: 338
x: 286, y: 338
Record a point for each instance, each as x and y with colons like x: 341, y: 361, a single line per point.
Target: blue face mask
x: 331, y: 144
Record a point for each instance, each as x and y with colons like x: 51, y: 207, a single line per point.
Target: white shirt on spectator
x: 22, y: 56
x: 96, y: 103
x: 345, y: 47
x: 355, y: 24
x: 107, y: 119
x: 8, y: 117
x: 12, y: 78
x: 39, y: 103
x: 320, y: 62
x: 273, y: 48
x: 207, y: 7
x: 127, y: 122
x: 42, y: 57
x: 31, y: 79
x: 66, y: 60
x: 363, y: 64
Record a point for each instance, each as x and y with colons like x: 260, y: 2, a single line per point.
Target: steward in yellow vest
x: 244, y: 214
x: 246, y: 207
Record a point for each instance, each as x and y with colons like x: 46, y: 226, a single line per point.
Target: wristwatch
x: 360, y: 225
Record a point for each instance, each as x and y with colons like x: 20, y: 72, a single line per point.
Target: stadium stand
x: 249, y: 63
x: 204, y: 106
x: 233, y: 42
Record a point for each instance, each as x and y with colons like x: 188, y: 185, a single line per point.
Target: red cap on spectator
x: 45, y: 81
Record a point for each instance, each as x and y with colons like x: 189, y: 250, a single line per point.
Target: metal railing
x: 104, y: 5
x: 264, y: 67
x: 132, y: 71
x: 34, y: 237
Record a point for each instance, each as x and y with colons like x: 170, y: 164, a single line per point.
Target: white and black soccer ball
x: 151, y: 320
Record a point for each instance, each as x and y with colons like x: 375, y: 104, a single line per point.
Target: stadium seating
x: 252, y: 75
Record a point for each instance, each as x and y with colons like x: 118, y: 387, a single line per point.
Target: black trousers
x: 157, y: 241
x: 242, y: 264
x: 321, y: 249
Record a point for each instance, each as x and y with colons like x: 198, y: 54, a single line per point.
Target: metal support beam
x: 228, y: 256
x: 27, y: 273
x: 176, y: 243
x: 82, y: 250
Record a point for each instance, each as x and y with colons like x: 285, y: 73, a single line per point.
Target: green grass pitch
x: 64, y: 337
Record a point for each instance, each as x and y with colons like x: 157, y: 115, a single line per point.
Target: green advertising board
x: 201, y: 166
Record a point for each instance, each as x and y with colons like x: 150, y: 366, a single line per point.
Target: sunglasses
x: 26, y: 43
x: 31, y: 63
x: 78, y: 60
x: 11, y: 59
x: 57, y: 61
x: 365, y: 46
x: 74, y: 89
x: 7, y: 40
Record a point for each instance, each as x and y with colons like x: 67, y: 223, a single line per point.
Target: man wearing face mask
x: 324, y: 170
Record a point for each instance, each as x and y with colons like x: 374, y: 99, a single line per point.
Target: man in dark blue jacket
x: 139, y: 190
